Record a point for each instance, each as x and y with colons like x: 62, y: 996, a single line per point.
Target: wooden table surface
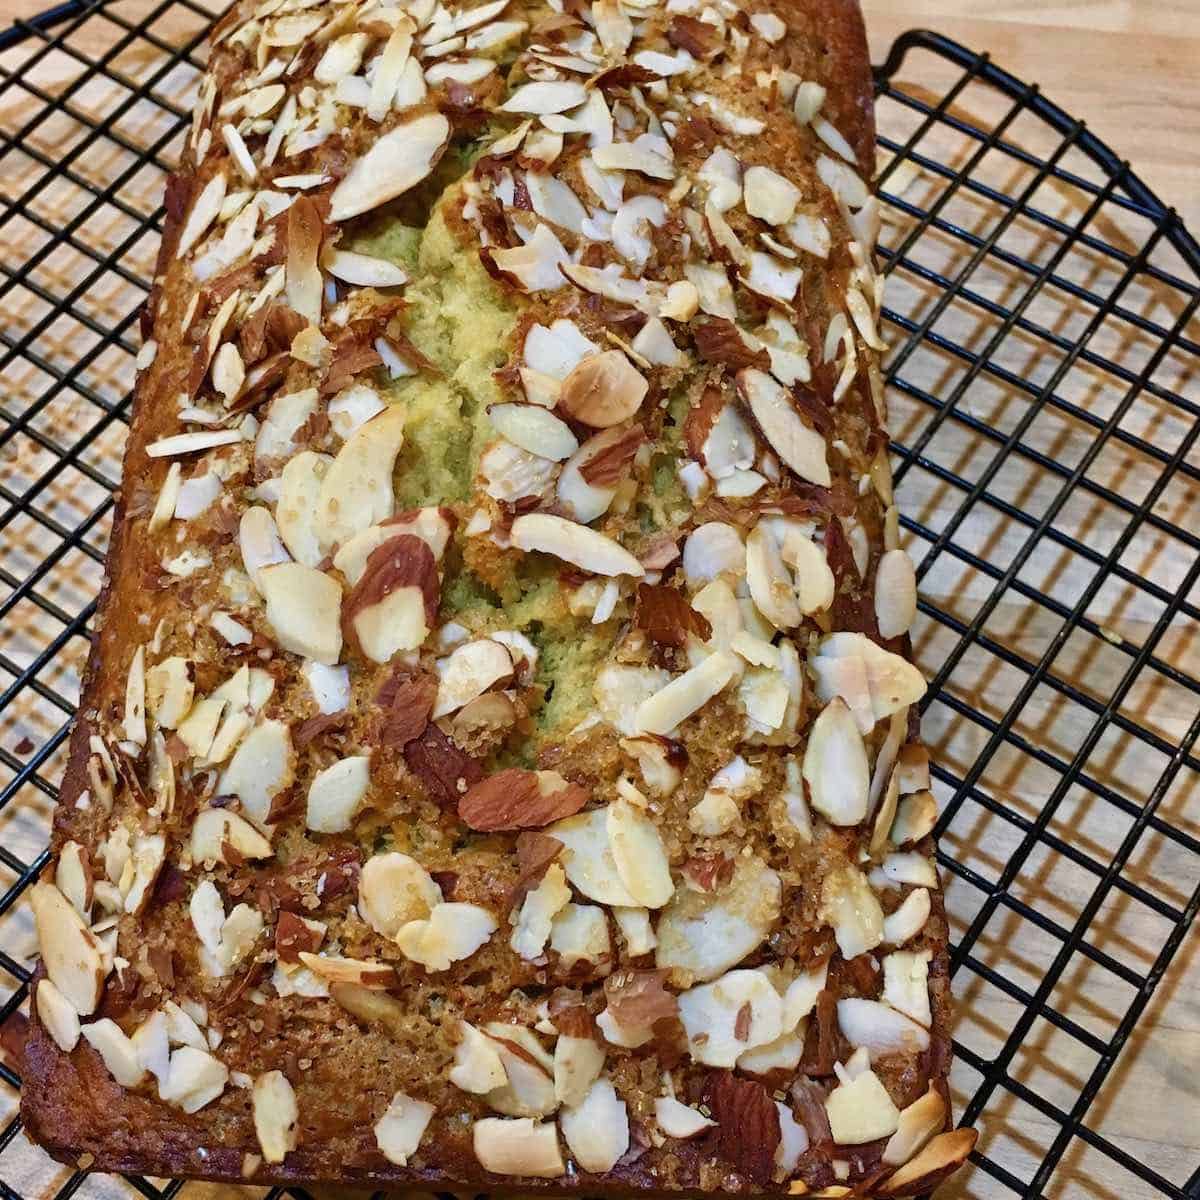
x: 1129, y: 68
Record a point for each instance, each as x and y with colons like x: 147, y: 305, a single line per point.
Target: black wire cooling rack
x: 1042, y: 302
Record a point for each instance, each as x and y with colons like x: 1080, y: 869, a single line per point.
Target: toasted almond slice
x: 886, y: 812
x: 703, y: 934
x: 399, y: 1131
x: 365, y: 973
x: 73, y: 877
x: 535, y: 266
x: 468, y: 671
x: 835, y: 766
x: 477, y: 1066
x: 603, y: 390
x: 263, y: 766
x: 686, y: 694
x: 916, y: 816
x: 195, y: 1078
x: 909, y: 919
x: 873, y: 681
x: 880, y: 1028
x: 853, y: 909
x: 906, y: 984
x: 117, y: 1050
x: 678, y: 1120
x: 895, y: 594
x: 913, y: 769
x: 304, y: 610
x: 260, y: 543
x: 589, y: 861
x: 363, y: 270
x: 449, y: 934
x: 295, y: 514
x: 714, y: 1017
x: 336, y: 793
x: 58, y: 1015
x: 770, y: 583
x: 203, y: 214
x: 532, y: 922
x: 535, y: 429
x: 72, y: 955
x: 639, y: 855
x: 799, y: 446
x: 276, y: 1115
x: 542, y: 98
x: 597, y: 1129
x: 574, y: 543
x: 528, y: 1090
x: 394, y: 889
x: 148, y: 856
x: 584, y: 501
x: 190, y: 443
x: 395, y: 162
x: 769, y: 196
x: 942, y: 1156
x: 356, y: 491
x: 908, y: 866
x: 578, y: 1062
x: 222, y: 836
x: 518, y: 1147
x: 861, y: 1111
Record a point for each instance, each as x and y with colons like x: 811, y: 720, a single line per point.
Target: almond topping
x: 396, y: 162
x: 603, y: 390
x: 518, y: 799
x: 71, y: 953
x: 518, y: 1147
x: 574, y: 543
x: 276, y: 1115
x: 799, y: 446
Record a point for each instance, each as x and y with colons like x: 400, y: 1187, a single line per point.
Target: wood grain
x: 1128, y: 67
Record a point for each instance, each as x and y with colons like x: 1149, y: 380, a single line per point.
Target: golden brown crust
x: 71, y: 1104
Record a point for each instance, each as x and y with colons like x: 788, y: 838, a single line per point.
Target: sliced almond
x: 396, y: 161
x: 588, y: 859
x: 57, y: 1014
x: 73, y: 877
x: 916, y: 815
x: 874, y: 682
x: 260, y: 543
x: 639, y: 854
x: 117, y: 1050
x: 335, y: 794
x: 895, y: 594
x: 574, y: 543
x: 853, y: 909
x: 603, y: 390
x: 543, y: 98
x: 861, y: 1111
x: 534, y: 429
x: 703, y: 934
x: 449, y: 934
x: 880, y: 1029
x: 528, y: 1090
x: 798, y: 445
x: 300, y: 488
x: 276, y: 1115
x: 399, y: 1131
x: 686, y: 694
x: 365, y: 973
x: 356, y: 491
x: 468, y: 671
x: 733, y: 1014
x: 770, y: 582
x: 195, y: 1078
x: 912, y: 767
x: 203, y: 213
x: 533, y: 920
x: 942, y: 1156
x: 597, y: 1129
x: 70, y: 951
x: 906, y: 984
x: 477, y: 1066
x: 534, y: 266
x: 769, y: 196
x: 148, y: 856
x: 304, y: 610
x: 678, y: 1120
x: 909, y: 919
x: 581, y: 500
x: 908, y: 866
x: 261, y: 768
x: 394, y: 889
x: 835, y: 766
x: 517, y: 1147
x: 578, y: 1062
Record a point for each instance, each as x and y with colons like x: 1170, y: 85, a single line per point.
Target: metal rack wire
x: 1043, y: 307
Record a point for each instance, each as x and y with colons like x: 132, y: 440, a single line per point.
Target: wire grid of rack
x: 1042, y: 305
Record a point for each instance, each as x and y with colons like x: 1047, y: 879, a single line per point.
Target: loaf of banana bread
x: 498, y: 765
